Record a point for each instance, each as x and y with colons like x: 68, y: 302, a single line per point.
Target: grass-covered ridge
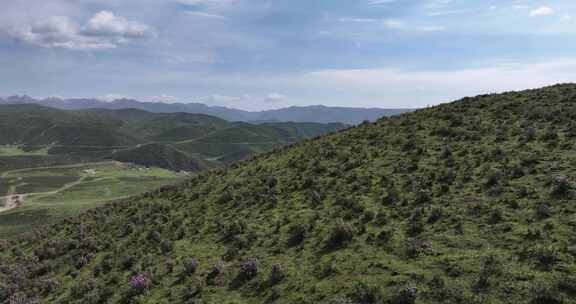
x: 468, y: 202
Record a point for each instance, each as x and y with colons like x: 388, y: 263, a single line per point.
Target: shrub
x: 249, y: 269
x: 140, y: 283
x: 190, y: 266
x: 492, y: 178
x: 545, y: 256
x: 385, y: 236
x: 435, y: 215
x: 544, y: 293
x: 166, y: 247
x: 405, y: 295
x: 277, y: 274
x: 365, y: 294
x: 560, y: 185
x: 216, y: 270
x: 543, y: 210
x: 296, y: 234
x: 341, y: 234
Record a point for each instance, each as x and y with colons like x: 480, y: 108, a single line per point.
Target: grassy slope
x: 100, y: 134
x: 158, y: 155
x: 469, y: 202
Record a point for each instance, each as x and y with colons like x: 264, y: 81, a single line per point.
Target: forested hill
x: 467, y: 202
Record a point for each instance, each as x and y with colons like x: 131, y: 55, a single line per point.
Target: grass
x: 10, y: 150
x: 54, y: 193
x: 468, y: 202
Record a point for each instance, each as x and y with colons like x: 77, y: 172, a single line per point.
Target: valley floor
x: 33, y: 197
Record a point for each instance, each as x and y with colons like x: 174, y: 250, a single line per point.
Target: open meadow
x: 33, y: 197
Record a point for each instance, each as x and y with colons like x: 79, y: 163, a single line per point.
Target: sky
x: 266, y: 54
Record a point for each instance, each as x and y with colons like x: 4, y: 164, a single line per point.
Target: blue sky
x: 259, y: 54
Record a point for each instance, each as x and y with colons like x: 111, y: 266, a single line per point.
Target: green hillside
x: 158, y: 155
x: 100, y: 134
x: 467, y: 202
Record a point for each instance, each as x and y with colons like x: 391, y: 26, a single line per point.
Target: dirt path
x: 6, y: 173
x: 12, y: 202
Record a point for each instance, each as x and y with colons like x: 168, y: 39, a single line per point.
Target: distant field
x: 53, y: 193
x: 9, y: 150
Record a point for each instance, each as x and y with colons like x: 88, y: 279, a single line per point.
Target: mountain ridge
x: 316, y: 113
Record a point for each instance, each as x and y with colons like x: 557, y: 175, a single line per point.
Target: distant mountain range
x: 317, y: 114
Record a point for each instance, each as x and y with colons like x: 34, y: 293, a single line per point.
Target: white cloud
x: 104, y: 30
x: 112, y: 97
x: 393, y: 24
x: 164, y: 98
x: 441, y: 85
x: 206, y: 15
x: 275, y: 97
x: 107, y: 24
x: 541, y: 11
x: 246, y: 101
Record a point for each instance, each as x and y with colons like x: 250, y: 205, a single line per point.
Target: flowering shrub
x: 140, y: 283
x: 249, y: 269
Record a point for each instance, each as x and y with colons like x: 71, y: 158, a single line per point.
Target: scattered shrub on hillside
x: 166, y: 247
x: 277, y: 274
x: 545, y: 256
x: 249, y: 269
x: 496, y: 216
x: 189, y: 265
x: 216, y: 271
x: 415, y: 226
x: 341, y: 234
x: 140, y: 283
x: 365, y: 293
x: 406, y: 294
x: 550, y: 135
x: 435, y: 215
x: 385, y: 236
x: 560, y: 186
x: 529, y: 134
x: 296, y: 234
x: 543, y: 210
x: 493, y: 177
x: 415, y: 247
x: 544, y: 293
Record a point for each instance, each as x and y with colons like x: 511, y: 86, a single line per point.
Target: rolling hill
x: 467, y: 202
x: 317, y: 114
x: 175, y: 141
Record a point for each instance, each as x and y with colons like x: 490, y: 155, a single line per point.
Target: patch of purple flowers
x: 249, y: 269
x: 140, y: 283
